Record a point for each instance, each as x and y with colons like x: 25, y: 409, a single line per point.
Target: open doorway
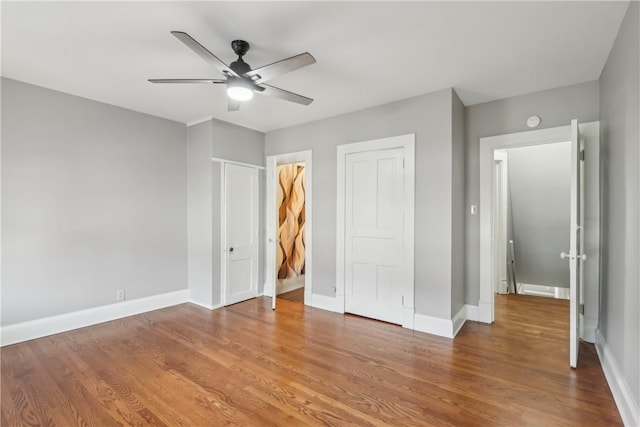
x: 584, y: 237
x: 532, y: 189
x: 290, y: 247
x: 289, y: 227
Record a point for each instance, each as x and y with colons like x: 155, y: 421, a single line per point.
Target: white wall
x: 620, y: 134
x: 93, y: 200
x: 540, y: 190
x: 430, y: 118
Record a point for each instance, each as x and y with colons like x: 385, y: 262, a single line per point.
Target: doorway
x: 290, y: 243
x: 289, y: 218
x: 532, y: 187
x: 584, y: 237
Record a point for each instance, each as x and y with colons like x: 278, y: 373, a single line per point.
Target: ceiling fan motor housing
x: 240, y: 47
x: 240, y: 67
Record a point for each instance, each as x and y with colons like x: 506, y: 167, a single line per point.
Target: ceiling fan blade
x: 271, y: 71
x: 203, y: 52
x: 234, y: 105
x: 187, y: 81
x: 284, y: 94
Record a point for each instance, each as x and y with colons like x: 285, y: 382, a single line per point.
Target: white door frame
x: 488, y: 146
x: 272, y: 227
x: 500, y: 216
x: 223, y: 222
x: 407, y: 143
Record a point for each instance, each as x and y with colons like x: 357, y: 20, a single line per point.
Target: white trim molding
x: 472, y: 312
x: 233, y: 162
x: 267, y: 289
x: 419, y: 322
x: 407, y: 144
x: 627, y: 406
x: 19, y: 332
x: 324, y: 302
x: 458, y: 320
x: 590, y: 328
x: 433, y: 325
x: 207, y: 306
x: 444, y: 327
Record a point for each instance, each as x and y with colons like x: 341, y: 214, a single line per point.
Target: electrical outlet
x: 120, y: 295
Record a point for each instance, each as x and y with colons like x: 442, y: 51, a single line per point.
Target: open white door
x: 576, y: 243
x: 240, y: 233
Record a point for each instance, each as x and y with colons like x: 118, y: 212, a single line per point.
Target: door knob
x: 231, y: 249
x: 564, y: 255
x: 583, y: 257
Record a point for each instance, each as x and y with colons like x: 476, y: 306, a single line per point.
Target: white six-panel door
x: 240, y: 233
x: 374, y: 234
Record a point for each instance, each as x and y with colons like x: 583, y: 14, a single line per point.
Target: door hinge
x: 402, y: 299
x: 582, y: 309
x: 582, y: 154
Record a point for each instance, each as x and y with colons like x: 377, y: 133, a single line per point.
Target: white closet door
x: 241, y: 233
x: 374, y: 234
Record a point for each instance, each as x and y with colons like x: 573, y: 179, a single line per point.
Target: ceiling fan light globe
x: 239, y: 93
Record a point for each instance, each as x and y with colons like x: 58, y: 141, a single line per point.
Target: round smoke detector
x: 533, y: 121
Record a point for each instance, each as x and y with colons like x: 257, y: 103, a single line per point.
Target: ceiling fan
x: 240, y: 79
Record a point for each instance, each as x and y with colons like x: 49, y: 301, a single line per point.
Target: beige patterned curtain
x: 290, y: 250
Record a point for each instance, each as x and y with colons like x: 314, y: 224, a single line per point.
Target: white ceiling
x: 368, y: 53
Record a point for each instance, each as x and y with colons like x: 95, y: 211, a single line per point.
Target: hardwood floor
x: 297, y: 295
x: 249, y: 366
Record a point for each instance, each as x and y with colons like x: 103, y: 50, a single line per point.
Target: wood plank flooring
x: 296, y: 295
x: 246, y: 365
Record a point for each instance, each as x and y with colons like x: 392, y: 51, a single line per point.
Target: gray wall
x: 458, y: 210
x: 556, y: 107
x: 430, y: 118
x: 215, y: 138
x: 93, y: 200
x: 619, y: 107
x: 540, y: 190
x: 200, y: 211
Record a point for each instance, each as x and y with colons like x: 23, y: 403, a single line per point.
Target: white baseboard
x: 326, y: 303
x: 458, y: 320
x: 590, y: 326
x: 208, y: 306
x: 444, y: 327
x: 485, y: 311
x: 472, y: 312
x: 627, y: 406
x: 433, y: 325
x: 267, y: 290
x: 19, y: 332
